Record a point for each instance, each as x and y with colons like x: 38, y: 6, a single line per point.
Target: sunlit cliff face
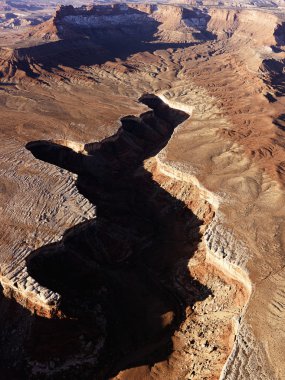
x: 148, y: 245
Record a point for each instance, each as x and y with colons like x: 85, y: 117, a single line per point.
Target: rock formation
x: 149, y: 245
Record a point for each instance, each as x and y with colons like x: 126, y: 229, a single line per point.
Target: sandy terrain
x: 172, y: 257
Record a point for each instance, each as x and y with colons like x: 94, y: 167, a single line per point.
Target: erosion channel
x: 137, y: 296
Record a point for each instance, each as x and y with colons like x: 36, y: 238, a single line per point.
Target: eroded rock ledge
x: 139, y: 280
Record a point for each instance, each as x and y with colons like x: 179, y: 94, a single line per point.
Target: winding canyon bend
x: 142, y: 194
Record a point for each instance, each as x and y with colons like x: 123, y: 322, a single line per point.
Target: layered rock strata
x: 146, y: 237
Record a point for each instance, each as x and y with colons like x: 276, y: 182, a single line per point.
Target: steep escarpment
x: 76, y: 37
x: 91, y: 35
x: 227, y: 177
x: 156, y: 284
x: 262, y: 36
x: 135, y: 284
x: 95, y: 249
x: 247, y: 25
x: 174, y: 23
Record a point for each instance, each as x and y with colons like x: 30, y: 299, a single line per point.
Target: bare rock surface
x: 142, y: 195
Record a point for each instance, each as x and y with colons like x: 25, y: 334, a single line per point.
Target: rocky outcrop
x: 176, y: 21
x: 19, y: 285
x: 90, y: 35
x: 189, y: 245
x: 145, y: 247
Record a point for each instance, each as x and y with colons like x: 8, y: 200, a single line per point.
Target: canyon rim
x: 142, y: 190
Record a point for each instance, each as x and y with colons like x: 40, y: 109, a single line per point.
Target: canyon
x: 142, y: 193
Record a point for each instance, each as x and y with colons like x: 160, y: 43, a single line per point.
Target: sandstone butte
x: 142, y: 194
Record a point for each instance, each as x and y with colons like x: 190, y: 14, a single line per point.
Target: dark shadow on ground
x: 7, y: 84
x: 280, y: 122
x: 274, y: 75
x: 119, y: 267
x: 88, y: 52
x: 87, y: 46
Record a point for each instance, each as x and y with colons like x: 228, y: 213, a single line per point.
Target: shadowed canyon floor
x: 152, y: 247
x: 132, y: 259
x: 116, y: 261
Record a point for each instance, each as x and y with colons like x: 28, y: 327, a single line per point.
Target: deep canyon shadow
x: 116, y: 274
x: 88, y: 45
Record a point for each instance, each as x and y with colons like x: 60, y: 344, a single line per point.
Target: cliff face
x: 181, y: 24
x: 92, y: 35
x: 143, y: 256
x: 179, y: 272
